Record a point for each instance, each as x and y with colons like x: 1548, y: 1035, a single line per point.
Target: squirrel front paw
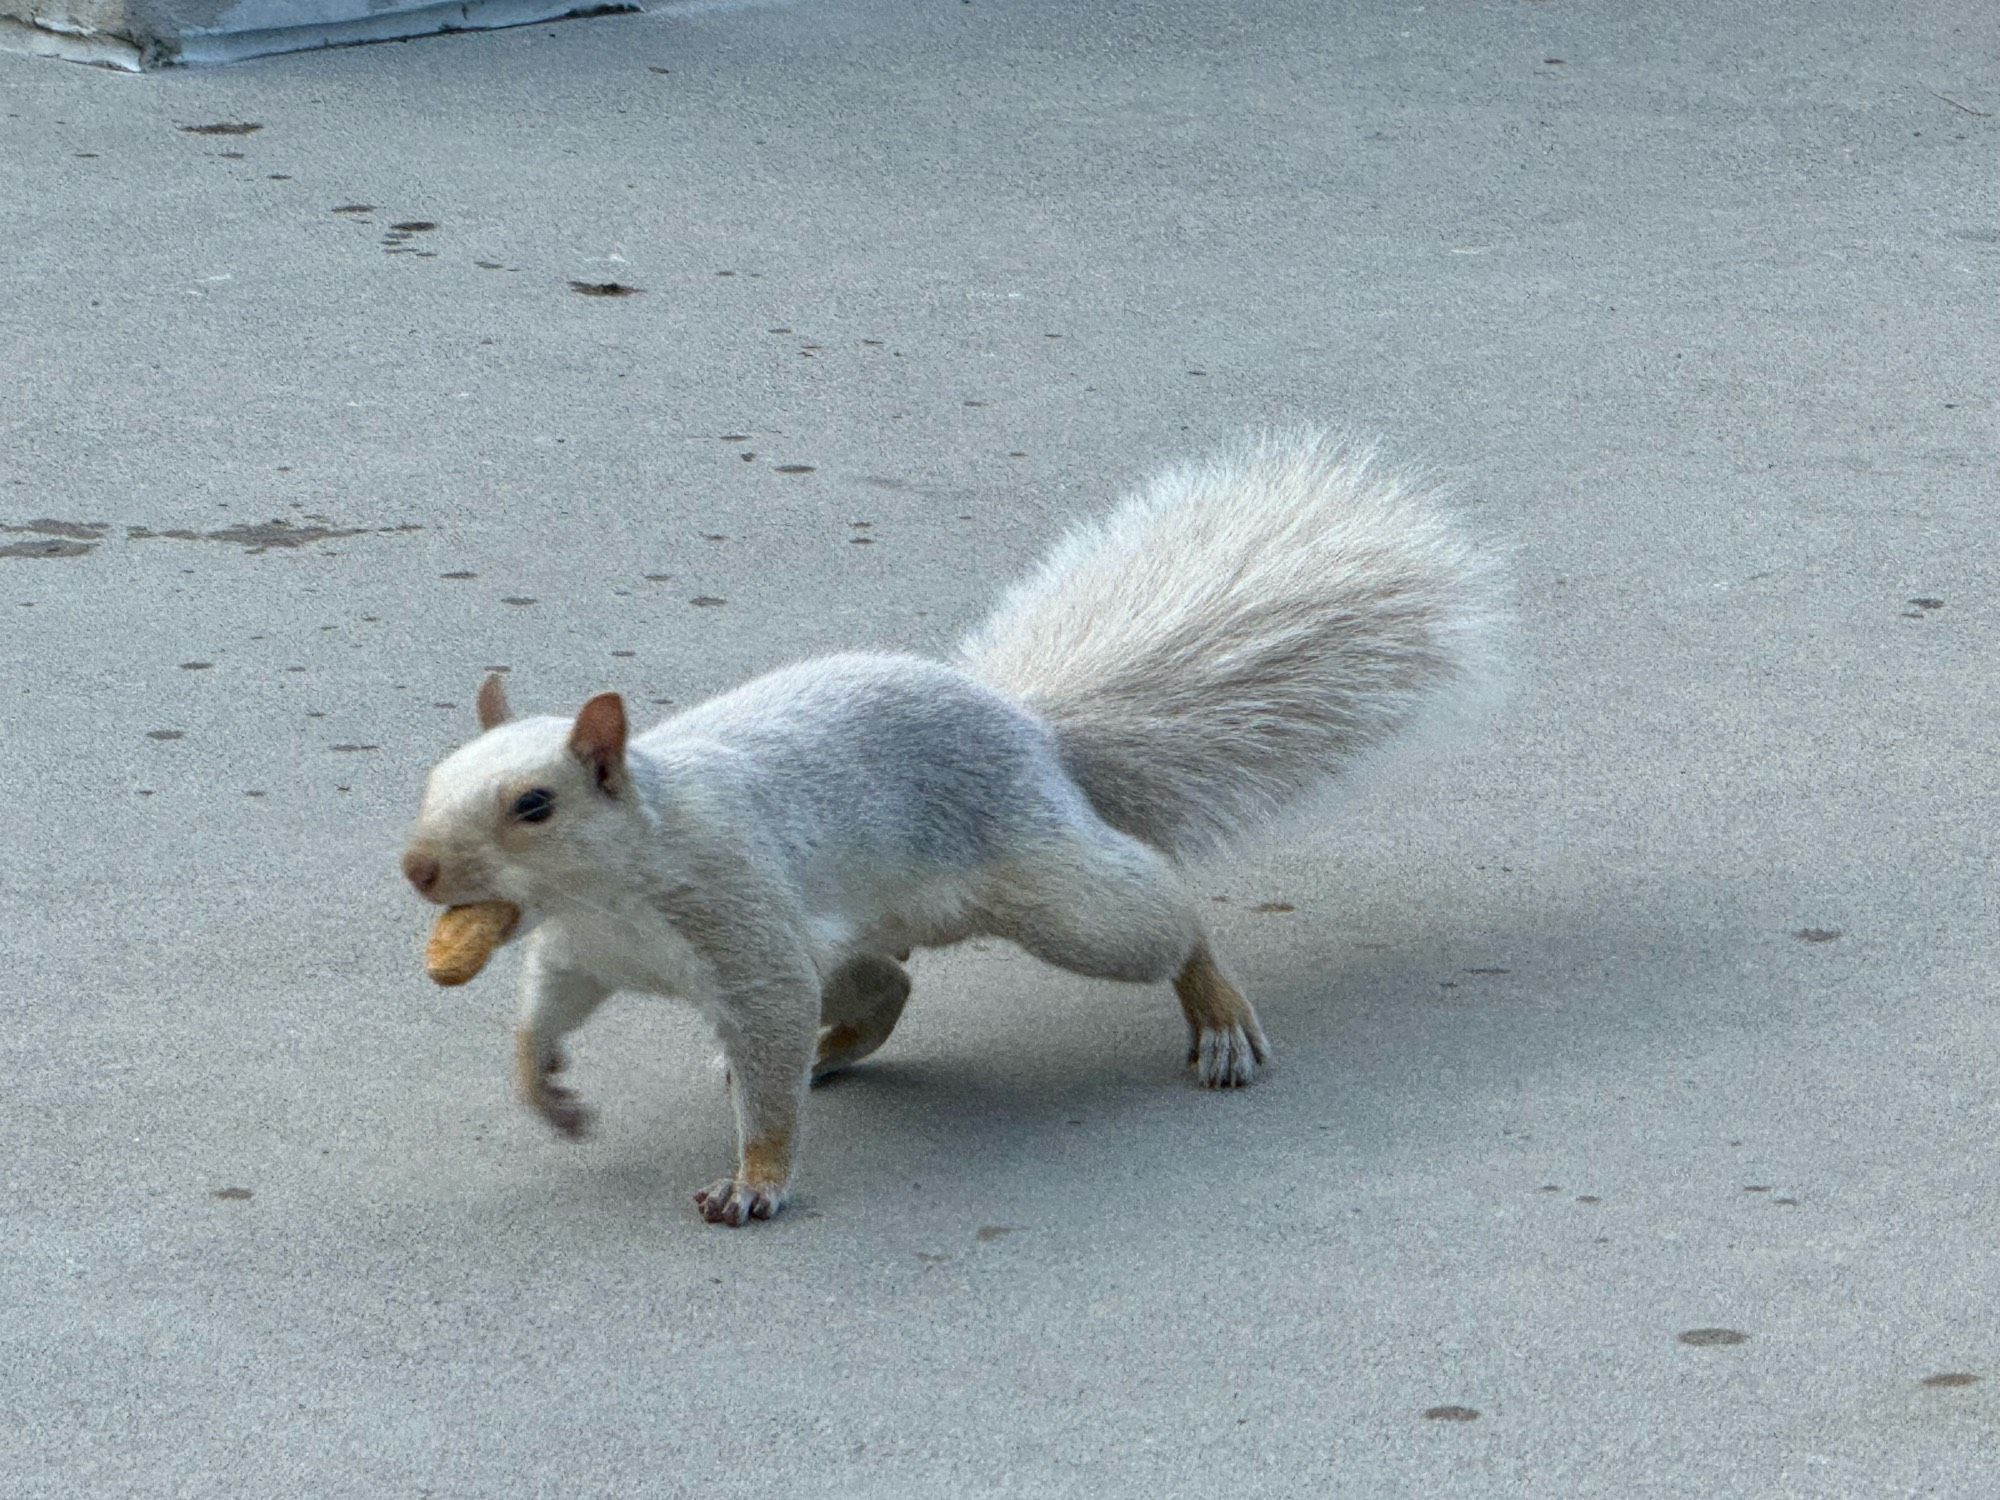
x: 734, y: 1202
x: 564, y: 1111
x: 534, y: 1068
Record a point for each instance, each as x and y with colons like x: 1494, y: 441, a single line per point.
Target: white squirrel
x: 1223, y: 644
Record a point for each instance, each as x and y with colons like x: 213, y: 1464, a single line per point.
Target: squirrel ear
x: 493, y: 711
x: 598, y: 740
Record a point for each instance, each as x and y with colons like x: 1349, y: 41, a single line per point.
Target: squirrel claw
x: 564, y: 1111
x: 735, y: 1202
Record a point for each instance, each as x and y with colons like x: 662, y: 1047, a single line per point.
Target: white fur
x: 1243, y: 630
x: 1217, y: 647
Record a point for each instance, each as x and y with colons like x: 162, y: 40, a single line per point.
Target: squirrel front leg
x: 768, y: 1030
x: 555, y: 1000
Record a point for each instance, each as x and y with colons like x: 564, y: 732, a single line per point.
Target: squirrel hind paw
x: 735, y: 1202
x: 1228, y: 1057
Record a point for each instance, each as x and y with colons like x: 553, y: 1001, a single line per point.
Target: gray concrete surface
x: 1702, y: 317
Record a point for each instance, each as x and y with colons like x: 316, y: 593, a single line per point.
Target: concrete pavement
x: 1659, y: 1011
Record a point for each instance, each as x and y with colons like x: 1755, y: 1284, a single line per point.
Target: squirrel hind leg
x: 1097, y: 903
x: 1226, y: 1044
x: 1112, y: 908
x: 860, y: 1005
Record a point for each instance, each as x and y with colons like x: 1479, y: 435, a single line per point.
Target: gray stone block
x: 133, y: 34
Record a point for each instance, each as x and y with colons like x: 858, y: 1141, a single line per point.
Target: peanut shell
x: 465, y: 937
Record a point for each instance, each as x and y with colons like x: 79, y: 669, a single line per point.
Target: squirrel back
x: 1240, y: 632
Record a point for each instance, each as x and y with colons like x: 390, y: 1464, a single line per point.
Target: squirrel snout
x: 422, y: 871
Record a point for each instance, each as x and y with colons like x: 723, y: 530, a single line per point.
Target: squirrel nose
x: 422, y: 871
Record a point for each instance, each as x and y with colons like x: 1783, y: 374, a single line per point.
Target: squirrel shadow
x: 1087, y: 1078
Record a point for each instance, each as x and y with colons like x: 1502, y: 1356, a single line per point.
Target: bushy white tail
x: 1239, y: 632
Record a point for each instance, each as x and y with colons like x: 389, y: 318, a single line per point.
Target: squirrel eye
x: 535, y: 806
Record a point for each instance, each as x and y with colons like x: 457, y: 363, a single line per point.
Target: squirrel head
x: 523, y: 810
